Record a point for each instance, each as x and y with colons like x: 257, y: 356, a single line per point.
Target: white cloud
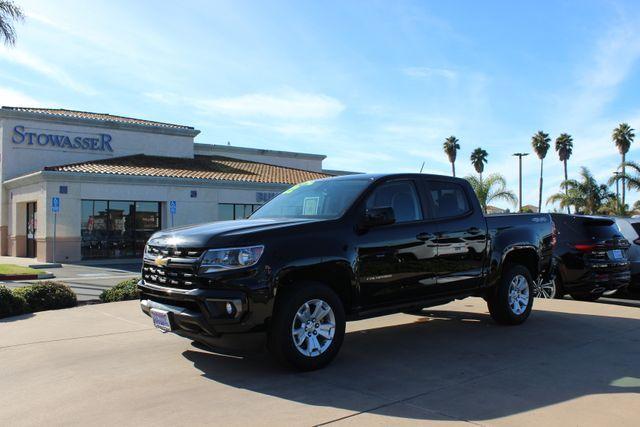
x: 290, y: 113
x: 13, y: 98
x: 287, y: 105
x: 428, y: 72
x: 611, y: 62
x: 44, y: 68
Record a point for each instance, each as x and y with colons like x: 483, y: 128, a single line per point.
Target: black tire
x: 280, y: 339
x: 498, y: 298
x: 560, y: 293
x: 586, y: 297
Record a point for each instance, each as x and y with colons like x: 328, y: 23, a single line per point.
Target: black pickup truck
x: 337, y: 249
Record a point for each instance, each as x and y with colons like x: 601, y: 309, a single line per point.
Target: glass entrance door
x: 32, y: 226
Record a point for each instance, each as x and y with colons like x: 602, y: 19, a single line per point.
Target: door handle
x: 473, y: 230
x: 425, y: 236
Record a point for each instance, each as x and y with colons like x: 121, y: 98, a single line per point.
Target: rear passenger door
x: 461, y: 235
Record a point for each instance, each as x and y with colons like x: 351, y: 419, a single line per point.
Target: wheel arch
x: 336, y: 275
x: 527, y: 256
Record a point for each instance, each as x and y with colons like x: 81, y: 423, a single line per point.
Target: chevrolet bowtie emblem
x: 161, y: 261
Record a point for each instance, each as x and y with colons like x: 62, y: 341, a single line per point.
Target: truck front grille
x: 170, y: 277
x: 171, y: 267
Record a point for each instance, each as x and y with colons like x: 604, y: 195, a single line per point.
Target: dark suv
x: 591, y: 256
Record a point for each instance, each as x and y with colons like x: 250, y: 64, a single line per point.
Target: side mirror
x: 376, y: 217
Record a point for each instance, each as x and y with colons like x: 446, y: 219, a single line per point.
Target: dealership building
x: 102, y: 183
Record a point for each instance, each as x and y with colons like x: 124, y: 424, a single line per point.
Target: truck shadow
x: 454, y: 365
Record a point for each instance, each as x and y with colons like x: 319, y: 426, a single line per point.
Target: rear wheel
x: 307, y: 328
x: 545, y: 289
x: 511, y: 300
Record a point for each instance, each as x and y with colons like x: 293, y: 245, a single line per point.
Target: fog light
x: 230, y: 309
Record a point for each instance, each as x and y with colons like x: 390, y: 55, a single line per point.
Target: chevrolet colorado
x: 331, y: 250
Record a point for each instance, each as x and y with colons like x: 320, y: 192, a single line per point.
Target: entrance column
x: 18, y: 239
x: 4, y: 223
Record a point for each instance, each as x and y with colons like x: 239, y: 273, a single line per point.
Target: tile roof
x: 200, y: 167
x: 60, y: 112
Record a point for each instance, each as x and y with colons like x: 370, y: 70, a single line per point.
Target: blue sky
x: 376, y: 86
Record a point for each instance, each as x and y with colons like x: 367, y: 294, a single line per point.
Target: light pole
x: 520, y: 156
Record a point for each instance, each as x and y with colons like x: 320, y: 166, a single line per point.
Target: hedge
x: 123, y: 291
x: 38, y: 297
x: 10, y: 304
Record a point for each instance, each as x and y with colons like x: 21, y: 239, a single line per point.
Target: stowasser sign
x: 101, y: 142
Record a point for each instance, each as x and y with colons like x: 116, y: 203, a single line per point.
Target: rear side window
x: 636, y: 227
x: 449, y: 199
x: 575, y: 228
x: 399, y: 195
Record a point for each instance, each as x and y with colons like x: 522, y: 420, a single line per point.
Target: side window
x: 399, y: 195
x: 449, y: 199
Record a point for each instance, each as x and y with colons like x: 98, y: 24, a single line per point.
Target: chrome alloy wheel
x: 544, y: 289
x: 518, y: 294
x: 313, y: 328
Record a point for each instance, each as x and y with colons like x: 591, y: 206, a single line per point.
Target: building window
x: 228, y: 211
x: 117, y: 229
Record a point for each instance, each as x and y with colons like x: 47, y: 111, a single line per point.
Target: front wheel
x: 307, y: 327
x: 511, y: 300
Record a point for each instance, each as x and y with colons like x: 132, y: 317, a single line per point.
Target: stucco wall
x: 22, y: 158
x: 190, y: 210
x: 290, y: 160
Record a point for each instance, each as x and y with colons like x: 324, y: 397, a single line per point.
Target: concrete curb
x: 18, y: 277
x: 45, y: 265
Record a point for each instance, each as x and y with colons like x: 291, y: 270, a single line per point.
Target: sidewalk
x: 571, y: 363
x: 27, y: 262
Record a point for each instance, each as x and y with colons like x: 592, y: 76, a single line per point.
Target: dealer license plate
x: 161, y: 319
x: 616, y: 254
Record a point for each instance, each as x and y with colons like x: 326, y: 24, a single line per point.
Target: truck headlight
x: 230, y: 258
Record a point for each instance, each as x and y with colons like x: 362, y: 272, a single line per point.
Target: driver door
x: 395, y: 262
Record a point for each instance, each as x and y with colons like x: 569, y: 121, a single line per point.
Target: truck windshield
x: 326, y: 199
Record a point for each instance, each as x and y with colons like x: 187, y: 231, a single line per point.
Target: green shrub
x: 123, y: 291
x: 10, y: 304
x: 46, y: 296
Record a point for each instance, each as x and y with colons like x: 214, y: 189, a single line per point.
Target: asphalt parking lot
x: 88, y: 281
x: 572, y: 363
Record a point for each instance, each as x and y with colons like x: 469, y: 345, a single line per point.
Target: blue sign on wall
x: 55, y: 204
x: 173, y: 207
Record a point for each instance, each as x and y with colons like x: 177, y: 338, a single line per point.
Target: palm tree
x: 564, y: 147
x: 493, y: 188
x: 540, y: 143
x: 478, y: 159
x: 623, y: 137
x: 9, y: 12
x: 613, y: 207
x: 587, y: 196
x: 632, y: 181
x: 451, y: 148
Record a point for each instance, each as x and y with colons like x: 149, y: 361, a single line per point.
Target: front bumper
x: 203, y: 312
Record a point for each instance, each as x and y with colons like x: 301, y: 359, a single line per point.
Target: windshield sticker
x: 295, y: 187
x: 310, y: 206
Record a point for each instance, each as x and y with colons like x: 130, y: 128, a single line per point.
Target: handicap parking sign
x: 172, y: 207
x: 55, y: 204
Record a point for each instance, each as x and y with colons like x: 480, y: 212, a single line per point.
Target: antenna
x: 421, y: 167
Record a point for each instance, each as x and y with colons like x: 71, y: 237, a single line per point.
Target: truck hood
x: 214, y: 233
